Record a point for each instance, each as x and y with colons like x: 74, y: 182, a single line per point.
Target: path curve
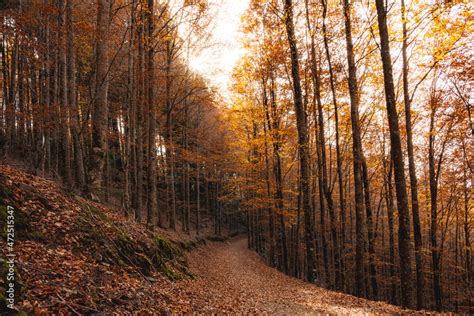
x: 233, y: 279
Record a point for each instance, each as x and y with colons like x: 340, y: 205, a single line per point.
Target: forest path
x: 232, y: 278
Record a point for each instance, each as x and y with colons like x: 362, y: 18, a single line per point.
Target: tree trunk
x: 433, y: 181
x: 271, y: 225
x: 339, y: 249
x: 129, y: 121
x: 278, y: 174
x: 370, y: 231
x: 169, y: 132
x: 411, y: 167
x: 303, y: 144
x: 63, y: 88
x: 357, y: 153
x: 152, y: 211
x: 390, y: 211
x: 72, y: 91
x: 140, y: 120
x: 397, y: 157
x: 99, y: 115
x: 198, y: 199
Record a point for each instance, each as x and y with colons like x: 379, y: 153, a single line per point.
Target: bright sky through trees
x: 224, y: 48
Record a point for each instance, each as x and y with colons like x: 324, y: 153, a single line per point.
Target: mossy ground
x: 111, y: 243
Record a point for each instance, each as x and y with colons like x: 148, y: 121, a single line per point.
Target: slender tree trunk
x: 268, y: 126
x: 72, y: 92
x: 130, y: 115
x: 433, y: 182
x: 63, y: 88
x: 339, y: 247
x: 411, y: 167
x: 390, y: 210
x: 277, y: 170
x: 298, y: 269
x: 357, y: 153
x: 10, y: 101
x: 303, y: 144
x: 320, y: 149
x: 467, y: 217
x: 169, y: 130
x: 99, y: 115
x: 198, y: 199
x: 152, y: 211
x: 186, y: 189
x: 46, y: 163
x: 5, y: 75
x: 20, y: 129
x: 407, y: 288
x: 140, y: 119
x: 370, y: 231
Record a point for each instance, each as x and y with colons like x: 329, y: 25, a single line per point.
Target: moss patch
x: 192, y: 244
x: 111, y: 243
x: 166, y: 248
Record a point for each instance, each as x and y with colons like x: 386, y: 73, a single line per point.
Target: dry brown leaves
x: 62, y: 276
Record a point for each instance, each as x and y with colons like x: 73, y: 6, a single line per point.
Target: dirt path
x: 232, y: 278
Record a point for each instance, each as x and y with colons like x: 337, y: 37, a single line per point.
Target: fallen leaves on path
x: 233, y: 279
x: 62, y: 272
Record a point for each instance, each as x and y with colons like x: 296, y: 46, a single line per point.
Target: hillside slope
x: 77, y: 256
x: 74, y: 256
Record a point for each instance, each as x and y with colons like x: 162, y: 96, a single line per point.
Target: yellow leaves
x: 201, y: 5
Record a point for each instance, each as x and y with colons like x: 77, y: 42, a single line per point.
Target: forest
x: 339, y: 149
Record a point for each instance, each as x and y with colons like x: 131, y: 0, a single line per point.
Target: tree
x: 151, y: 153
x: 99, y: 115
x: 72, y: 99
x: 357, y: 154
x: 411, y: 164
x: 397, y: 157
x: 303, y: 145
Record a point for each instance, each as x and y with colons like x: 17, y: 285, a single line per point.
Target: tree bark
x: 370, y: 231
x: 411, y: 166
x: 303, y: 144
x: 72, y: 94
x: 268, y: 126
x: 63, y: 89
x: 357, y: 154
x: 152, y: 211
x: 433, y: 182
x: 390, y: 210
x: 130, y: 118
x: 99, y: 115
x: 397, y: 157
x: 339, y: 246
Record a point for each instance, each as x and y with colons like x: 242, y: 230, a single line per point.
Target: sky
x: 216, y: 61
